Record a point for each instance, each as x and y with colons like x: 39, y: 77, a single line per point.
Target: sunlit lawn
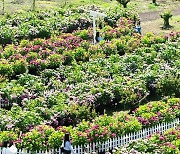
x: 12, y: 6
x: 155, y: 26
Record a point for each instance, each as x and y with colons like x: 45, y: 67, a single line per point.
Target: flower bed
x: 100, y: 129
x: 43, y: 24
x: 62, y: 84
x: 155, y: 112
x: 165, y: 143
x: 74, y: 88
x: 56, y: 139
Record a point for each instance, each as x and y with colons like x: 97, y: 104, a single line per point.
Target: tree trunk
x: 125, y: 5
x: 3, y: 7
x: 154, y: 1
x: 34, y: 4
x: 166, y: 22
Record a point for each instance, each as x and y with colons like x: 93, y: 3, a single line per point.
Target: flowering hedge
x: 73, y: 88
x: 43, y: 24
x: 63, y: 83
x: 155, y: 112
x: 52, y: 53
x: 42, y: 137
x: 99, y: 129
x: 166, y: 143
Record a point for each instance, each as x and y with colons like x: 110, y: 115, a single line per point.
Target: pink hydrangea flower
x: 161, y: 138
x: 178, y: 136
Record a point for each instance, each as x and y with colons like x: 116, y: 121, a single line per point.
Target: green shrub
x: 19, y: 67
x: 9, y: 50
x: 5, y: 68
x: 83, y: 34
x: 8, y: 136
x: 81, y: 54
x: 32, y: 56
x: 56, y: 139
x: 166, y: 15
x: 25, y: 43
x: 55, y: 60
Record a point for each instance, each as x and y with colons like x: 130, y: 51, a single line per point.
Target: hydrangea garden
x: 54, y: 80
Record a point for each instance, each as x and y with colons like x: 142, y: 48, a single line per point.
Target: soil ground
x: 149, y: 16
x: 151, y: 22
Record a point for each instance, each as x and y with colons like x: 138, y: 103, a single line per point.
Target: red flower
x: 161, y: 138
x: 89, y: 140
x: 113, y: 135
x: 149, y: 136
x: 150, y: 106
x: 173, y: 132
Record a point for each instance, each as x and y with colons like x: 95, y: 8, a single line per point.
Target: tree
x: 34, y: 4
x: 124, y: 2
x: 3, y: 6
x: 166, y: 15
x: 154, y: 1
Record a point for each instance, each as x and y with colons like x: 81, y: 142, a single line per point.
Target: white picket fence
x: 2, y: 104
x: 112, y: 143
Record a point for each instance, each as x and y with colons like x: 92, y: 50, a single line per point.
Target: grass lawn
x: 155, y: 26
x: 147, y: 5
x: 12, y: 6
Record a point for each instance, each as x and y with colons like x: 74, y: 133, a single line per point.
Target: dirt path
x: 149, y: 16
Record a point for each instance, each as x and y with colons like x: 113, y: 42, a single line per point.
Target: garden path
x: 149, y: 16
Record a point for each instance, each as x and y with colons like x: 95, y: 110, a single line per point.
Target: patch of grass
x: 155, y: 26
x: 176, y: 22
x: 153, y: 7
x: 147, y: 6
x: 12, y: 6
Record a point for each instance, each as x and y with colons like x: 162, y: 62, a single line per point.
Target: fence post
x: 91, y: 148
x: 94, y: 147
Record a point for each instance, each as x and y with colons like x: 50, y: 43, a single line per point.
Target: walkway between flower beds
x: 149, y: 16
x: 115, y: 142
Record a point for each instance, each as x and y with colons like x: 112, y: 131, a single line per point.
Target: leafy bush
x: 55, y: 139
x: 55, y: 60
x: 37, y: 138
x: 8, y: 136
x: 154, y: 112
x: 166, y: 15
x: 19, y: 67
x: 5, y: 68
x: 167, y: 142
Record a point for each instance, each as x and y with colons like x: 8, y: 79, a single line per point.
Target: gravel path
x: 149, y: 16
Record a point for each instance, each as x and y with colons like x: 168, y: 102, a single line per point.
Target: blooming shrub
x: 56, y: 139
x: 37, y: 138
x: 166, y: 143
x: 8, y: 136
x: 65, y: 82
x: 154, y: 112
x: 174, y: 103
